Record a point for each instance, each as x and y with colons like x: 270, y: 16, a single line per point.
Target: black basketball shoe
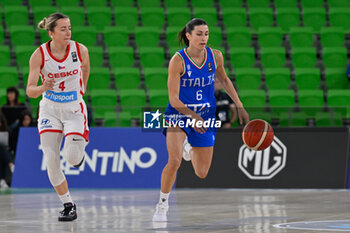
x: 69, y: 213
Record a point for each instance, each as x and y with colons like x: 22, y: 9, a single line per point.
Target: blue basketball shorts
x: 196, y: 139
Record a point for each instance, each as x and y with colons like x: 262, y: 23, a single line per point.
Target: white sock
x: 65, y: 198
x: 164, y: 197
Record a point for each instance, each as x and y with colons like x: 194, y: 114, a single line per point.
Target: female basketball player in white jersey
x: 64, y: 68
x: 191, y: 77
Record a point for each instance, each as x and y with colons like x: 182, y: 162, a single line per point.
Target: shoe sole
x: 67, y: 219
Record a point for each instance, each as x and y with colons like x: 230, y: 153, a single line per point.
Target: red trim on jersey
x: 82, y: 111
x: 42, y: 77
x: 38, y: 116
x: 78, y: 50
x: 86, y: 132
x: 50, y: 130
x: 49, y: 51
x: 85, y: 135
x: 82, y: 91
x: 42, y: 58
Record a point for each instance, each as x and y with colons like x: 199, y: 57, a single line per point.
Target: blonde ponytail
x: 42, y: 23
x: 49, y: 23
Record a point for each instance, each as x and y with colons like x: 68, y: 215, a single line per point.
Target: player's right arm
x: 174, y: 72
x: 35, y: 63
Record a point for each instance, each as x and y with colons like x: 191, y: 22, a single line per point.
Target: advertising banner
x: 297, y: 158
x: 114, y: 158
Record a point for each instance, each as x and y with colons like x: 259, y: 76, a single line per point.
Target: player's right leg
x: 174, y: 138
x: 50, y: 143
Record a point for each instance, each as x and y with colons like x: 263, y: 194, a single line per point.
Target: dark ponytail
x: 189, y: 28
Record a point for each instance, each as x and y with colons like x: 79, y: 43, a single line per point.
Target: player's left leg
x: 202, y: 151
x: 76, y: 133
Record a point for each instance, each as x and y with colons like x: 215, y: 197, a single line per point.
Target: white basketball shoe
x: 3, y: 184
x: 161, y: 214
x: 186, y: 155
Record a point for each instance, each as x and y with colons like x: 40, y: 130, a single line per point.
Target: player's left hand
x: 243, y: 116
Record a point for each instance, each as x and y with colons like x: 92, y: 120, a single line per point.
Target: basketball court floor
x: 191, y: 210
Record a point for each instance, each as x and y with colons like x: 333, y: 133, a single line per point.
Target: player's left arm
x: 228, y: 86
x: 85, y: 63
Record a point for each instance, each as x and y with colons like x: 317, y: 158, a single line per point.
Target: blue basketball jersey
x: 197, y: 83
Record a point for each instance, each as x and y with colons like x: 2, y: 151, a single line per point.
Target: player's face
x: 62, y: 32
x: 199, y: 36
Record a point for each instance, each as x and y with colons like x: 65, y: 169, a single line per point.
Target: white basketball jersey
x: 69, y: 85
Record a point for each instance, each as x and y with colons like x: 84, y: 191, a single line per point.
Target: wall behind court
x: 131, y: 158
x: 298, y: 158
x: 114, y: 158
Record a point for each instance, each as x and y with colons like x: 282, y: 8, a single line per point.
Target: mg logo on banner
x: 263, y: 165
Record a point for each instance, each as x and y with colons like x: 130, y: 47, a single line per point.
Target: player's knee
x: 174, y: 163
x: 201, y: 173
x: 74, y: 155
x: 53, y: 166
x: 51, y: 157
x: 74, y: 150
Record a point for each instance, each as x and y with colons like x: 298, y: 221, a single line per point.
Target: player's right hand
x: 48, y: 84
x: 199, y: 129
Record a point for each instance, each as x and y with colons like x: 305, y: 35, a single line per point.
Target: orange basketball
x: 257, y: 134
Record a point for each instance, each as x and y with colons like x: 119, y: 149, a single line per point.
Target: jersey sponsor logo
x: 44, y: 121
x: 198, y: 82
x: 199, y: 107
x: 74, y: 57
x: 62, y: 97
x: 189, y: 73
x: 63, y: 74
x: 45, y: 124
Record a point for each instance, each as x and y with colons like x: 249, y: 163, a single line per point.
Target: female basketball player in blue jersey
x: 64, y: 68
x: 192, y: 74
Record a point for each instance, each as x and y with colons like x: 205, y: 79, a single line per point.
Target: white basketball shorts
x: 66, y: 118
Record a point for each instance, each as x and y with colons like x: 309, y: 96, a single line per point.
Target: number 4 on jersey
x: 61, y: 86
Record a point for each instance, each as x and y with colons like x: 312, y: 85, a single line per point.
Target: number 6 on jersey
x: 199, y: 95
